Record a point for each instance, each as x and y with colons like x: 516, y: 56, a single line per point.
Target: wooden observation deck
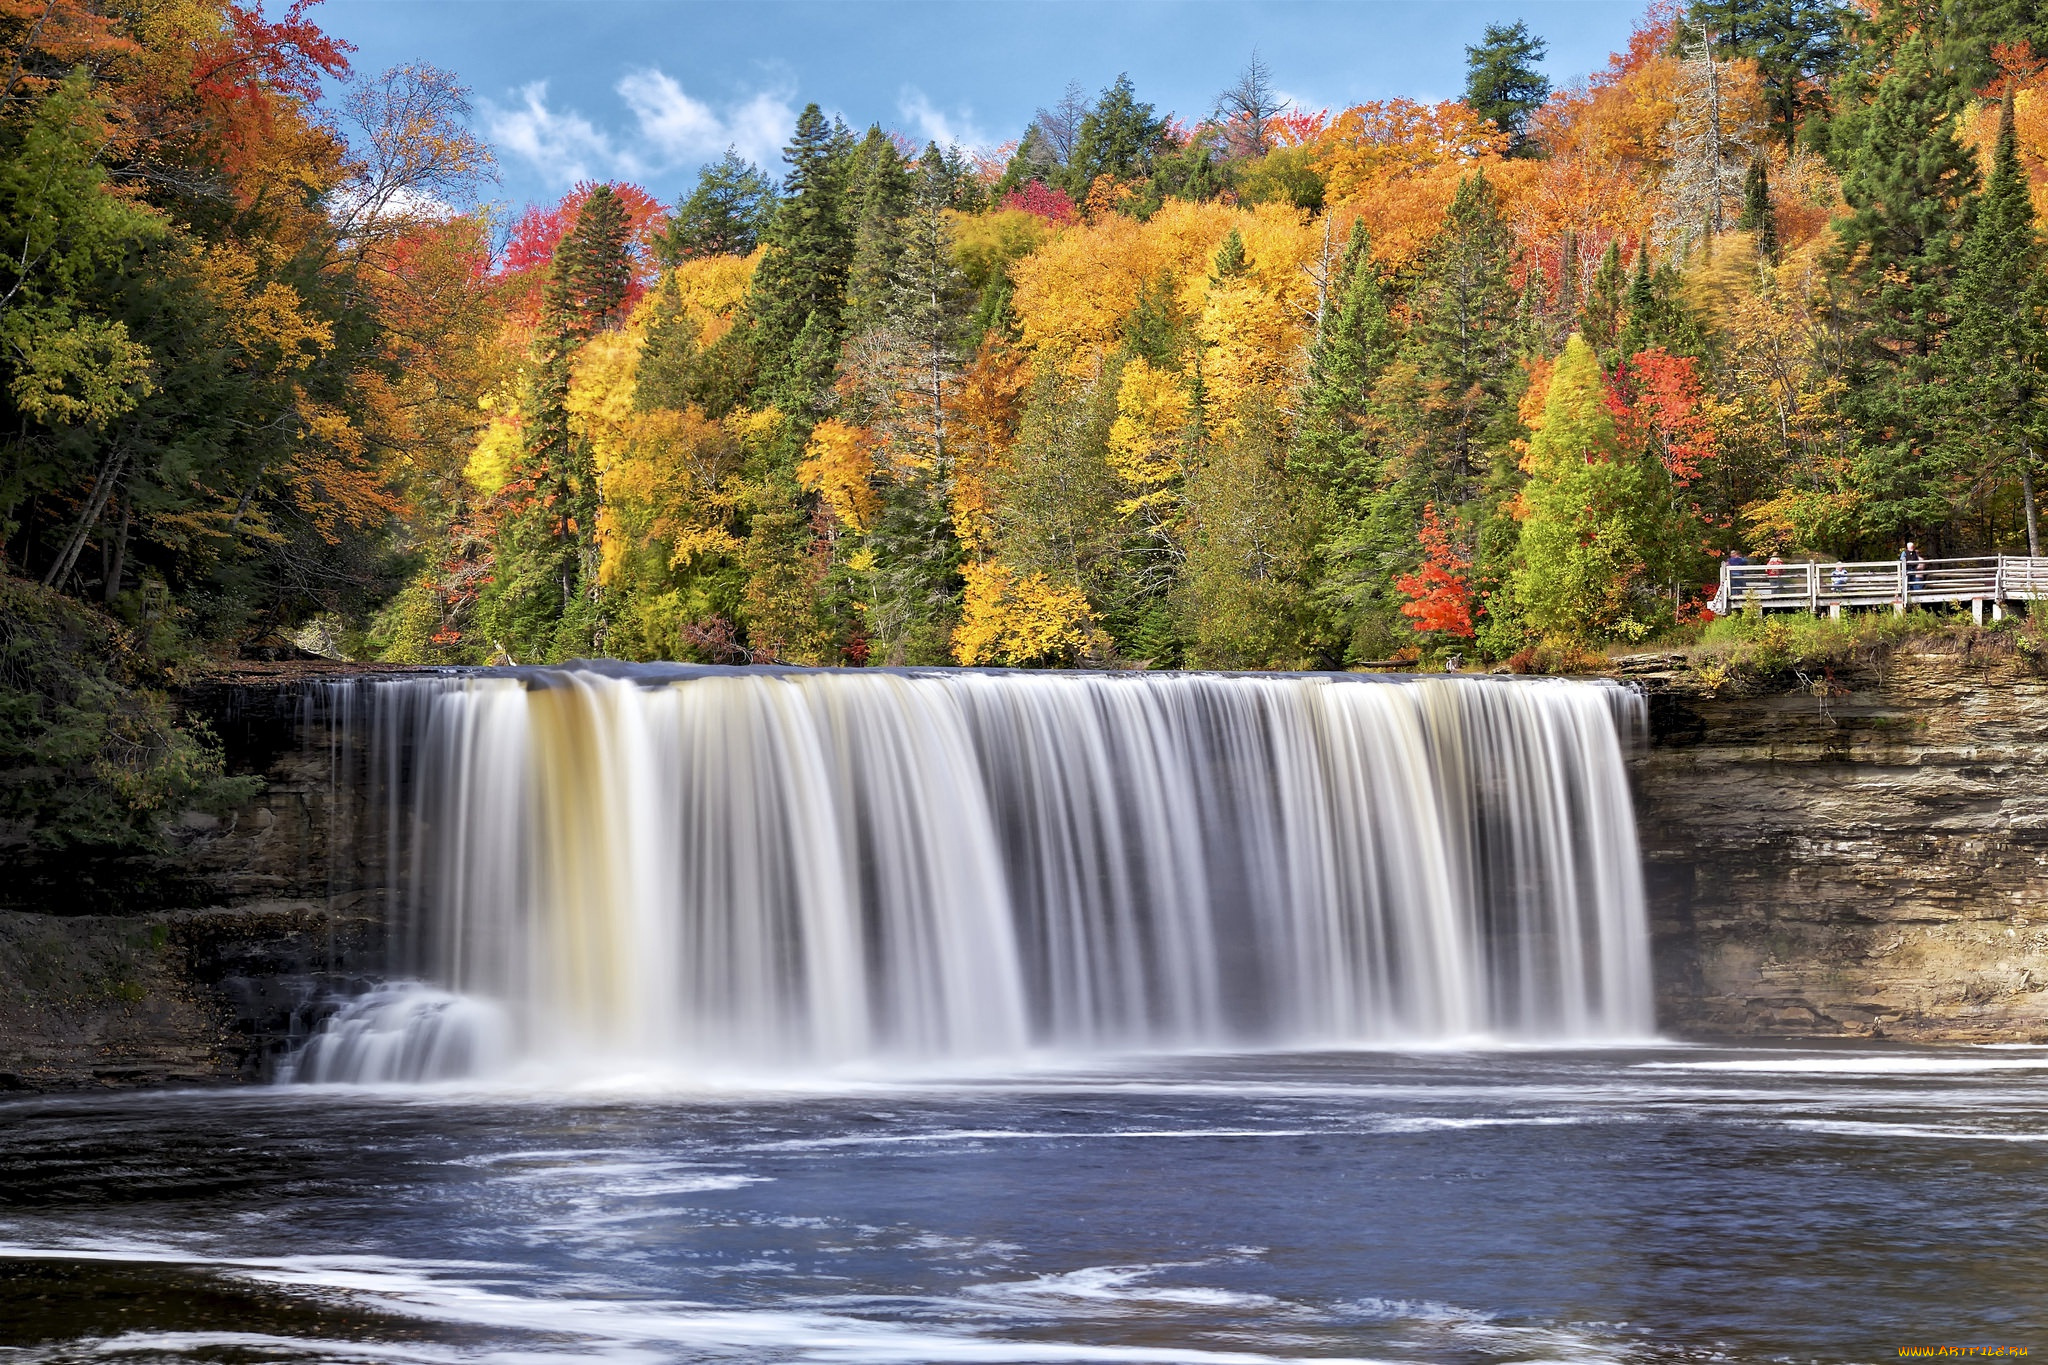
x: 1985, y: 580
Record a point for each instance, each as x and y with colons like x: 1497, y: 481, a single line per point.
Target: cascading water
x: 723, y: 869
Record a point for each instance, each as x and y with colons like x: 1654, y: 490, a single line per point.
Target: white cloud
x: 933, y: 124
x: 671, y: 128
x: 564, y: 147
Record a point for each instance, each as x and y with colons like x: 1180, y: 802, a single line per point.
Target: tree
x: 1249, y: 111
x: 1117, y: 138
x: 877, y: 198
x: 1711, y: 138
x: 725, y: 215
x: 1758, y: 217
x: 1996, y: 349
x: 1910, y: 183
x: 1798, y: 47
x: 1502, y: 82
x: 1439, y: 595
x: 1581, y: 547
x: 1600, y: 320
x: 801, y: 281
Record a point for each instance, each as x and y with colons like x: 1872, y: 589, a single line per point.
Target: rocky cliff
x: 1859, y: 849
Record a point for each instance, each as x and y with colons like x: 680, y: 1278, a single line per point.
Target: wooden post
x: 1997, y: 611
x: 1834, y: 611
x: 1812, y: 588
x: 1976, y: 611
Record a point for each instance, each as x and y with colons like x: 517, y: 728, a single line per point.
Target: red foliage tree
x: 1042, y: 199
x: 1657, y: 405
x: 1439, y: 594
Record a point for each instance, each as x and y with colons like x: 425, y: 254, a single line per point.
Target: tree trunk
x: 2027, y: 492
x: 112, y: 588
x: 102, y: 489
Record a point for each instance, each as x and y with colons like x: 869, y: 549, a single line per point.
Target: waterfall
x: 747, y: 868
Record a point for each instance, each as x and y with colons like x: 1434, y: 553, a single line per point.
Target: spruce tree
x: 799, y: 288
x: 878, y: 197
x: 1332, y: 447
x: 1996, y: 349
x: 543, y: 600
x: 1502, y: 82
x: 724, y: 215
x: 917, y: 580
x: 1909, y: 182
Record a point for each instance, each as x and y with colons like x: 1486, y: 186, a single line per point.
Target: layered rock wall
x: 1857, y: 850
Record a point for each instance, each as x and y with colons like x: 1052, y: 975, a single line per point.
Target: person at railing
x: 1915, y: 565
x: 1774, y: 567
x: 1838, y: 581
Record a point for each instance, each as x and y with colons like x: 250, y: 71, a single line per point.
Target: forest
x: 1251, y: 387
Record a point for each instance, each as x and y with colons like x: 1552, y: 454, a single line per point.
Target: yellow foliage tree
x: 839, y: 466
x: 1022, y: 621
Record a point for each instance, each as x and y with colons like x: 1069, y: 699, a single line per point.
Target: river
x: 1654, y: 1203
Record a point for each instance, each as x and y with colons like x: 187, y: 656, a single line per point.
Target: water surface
x: 1652, y: 1204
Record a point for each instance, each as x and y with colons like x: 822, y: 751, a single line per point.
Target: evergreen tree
x: 878, y: 197
x: 1996, y: 349
x: 799, y: 288
x: 1118, y: 138
x: 1909, y: 182
x: 1502, y: 81
x: 1757, y: 215
x: 543, y: 604
x: 917, y: 581
x: 1600, y: 320
x: 1658, y: 315
x: 1798, y: 47
x: 1461, y: 345
x: 724, y: 215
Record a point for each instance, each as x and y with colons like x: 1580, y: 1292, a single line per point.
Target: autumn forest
x: 1247, y: 387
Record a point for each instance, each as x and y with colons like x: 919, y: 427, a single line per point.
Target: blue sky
x: 648, y: 90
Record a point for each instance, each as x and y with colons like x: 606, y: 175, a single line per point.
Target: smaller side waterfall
x: 745, y: 869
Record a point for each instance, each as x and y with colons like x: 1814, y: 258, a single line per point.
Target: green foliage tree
x: 1600, y: 319
x: 1757, y: 215
x: 1993, y: 358
x: 1798, y: 46
x: 1118, y: 138
x: 725, y: 214
x: 1581, y: 545
x: 1910, y: 183
x: 1503, y: 83
x: 798, y: 293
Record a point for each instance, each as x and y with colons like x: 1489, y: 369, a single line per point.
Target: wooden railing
x: 1813, y: 586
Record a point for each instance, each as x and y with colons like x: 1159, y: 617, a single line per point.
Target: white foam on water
x: 617, y: 1330
x: 1955, y: 1063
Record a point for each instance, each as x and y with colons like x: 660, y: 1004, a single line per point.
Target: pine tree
x: 724, y: 215
x: 1332, y: 445
x: 1798, y: 47
x: 544, y: 599
x: 1757, y: 214
x: 1996, y: 350
x: 1247, y: 111
x: 1658, y: 315
x: 800, y: 285
x: 917, y: 581
x: 1502, y: 81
